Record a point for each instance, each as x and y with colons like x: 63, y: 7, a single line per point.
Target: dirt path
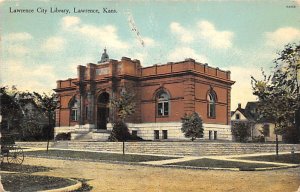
x: 116, y: 177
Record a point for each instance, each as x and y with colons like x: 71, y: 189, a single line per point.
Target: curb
x: 68, y: 188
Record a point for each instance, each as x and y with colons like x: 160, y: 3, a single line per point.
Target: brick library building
x: 163, y: 94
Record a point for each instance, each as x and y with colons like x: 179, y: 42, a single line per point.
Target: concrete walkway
x: 168, y: 161
x: 178, y: 159
x: 224, y: 158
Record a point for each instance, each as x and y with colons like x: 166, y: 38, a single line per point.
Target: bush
x: 136, y: 138
x: 120, y: 132
x: 291, y: 135
x: 241, y: 131
x: 192, y: 126
x: 32, y: 131
x: 63, y: 136
x: 258, y: 139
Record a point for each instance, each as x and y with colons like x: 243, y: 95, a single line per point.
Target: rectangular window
x: 212, y: 110
x: 215, y: 135
x: 163, y: 108
x: 134, y: 133
x: 166, y: 108
x: 210, y: 135
x: 74, y: 115
x: 160, y: 109
x: 156, y: 134
x: 165, y: 134
x: 237, y: 116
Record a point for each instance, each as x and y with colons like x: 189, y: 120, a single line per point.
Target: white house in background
x: 250, y: 114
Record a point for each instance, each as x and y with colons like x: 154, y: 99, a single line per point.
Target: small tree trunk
x: 123, y: 147
x: 49, y: 131
x: 276, y: 144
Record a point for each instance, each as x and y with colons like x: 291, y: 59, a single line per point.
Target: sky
x: 38, y: 47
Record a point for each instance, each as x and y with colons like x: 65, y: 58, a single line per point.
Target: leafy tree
x: 10, y: 109
x: 125, y: 106
x: 192, y: 126
x: 48, y: 104
x: 279, y: 93
x: 33, y: 124
x: 120, y: 132
x: 241, y: 130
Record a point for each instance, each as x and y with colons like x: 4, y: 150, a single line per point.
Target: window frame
x: 211, y: 105
x: 74, y: 109
x: 75, y: 116
x: 162, y: 104
x: 156, y: 135
x: 164, y: 134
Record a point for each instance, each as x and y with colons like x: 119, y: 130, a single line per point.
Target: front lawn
x: 205, y: 162
x: 282, y: 158
x: 19, y: 182
x: 11, y: 167
x: 96, y: 156
x: 22, y: 180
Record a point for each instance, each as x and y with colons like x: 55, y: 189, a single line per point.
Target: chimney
x: 239, y: 105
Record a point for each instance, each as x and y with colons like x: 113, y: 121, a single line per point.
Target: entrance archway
x: 102, y: 110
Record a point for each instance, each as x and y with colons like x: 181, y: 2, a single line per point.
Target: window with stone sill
x: 74, y: 109
x: 74, y: 115
x: 163, y: 104
x: 211, y: 104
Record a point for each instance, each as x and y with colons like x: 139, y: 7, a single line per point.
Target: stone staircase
x: 174, y: 148
x: 93, y: 135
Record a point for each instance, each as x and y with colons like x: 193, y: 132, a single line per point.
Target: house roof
x: 251, y: 113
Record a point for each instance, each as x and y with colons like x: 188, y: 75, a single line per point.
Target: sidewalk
x: 189, y: 158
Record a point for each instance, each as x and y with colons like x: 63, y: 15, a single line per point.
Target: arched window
x: 74, y: 105
x: 211, y: 100
x: 163, y: 104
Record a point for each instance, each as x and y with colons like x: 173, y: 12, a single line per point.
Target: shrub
x: 192, y: 126
x: 32, y: 131
x: 258, y: 139
x: 291, y: 135
x: 120, y: 132
x: 136, y: 138
x: 63, y: 136
x: 241, y: 131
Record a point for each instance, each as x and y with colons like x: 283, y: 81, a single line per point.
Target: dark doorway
x: 102, y: 110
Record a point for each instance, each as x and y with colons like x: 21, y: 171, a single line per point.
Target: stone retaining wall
x: 169, y: 148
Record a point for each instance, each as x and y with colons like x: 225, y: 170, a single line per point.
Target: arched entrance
x: 102, y: 110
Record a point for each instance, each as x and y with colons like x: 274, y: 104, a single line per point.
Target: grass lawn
x: 22, y: 168
x: 19, y: 182
x: 22, y: 180
x: 96, y: 156
x: 221, y: 164
x: 283, y: 158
